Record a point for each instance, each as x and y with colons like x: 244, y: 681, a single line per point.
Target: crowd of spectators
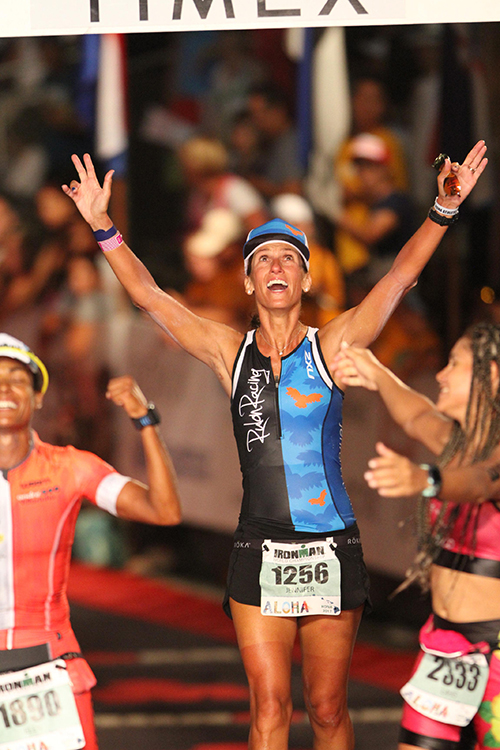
x: 227, y: 159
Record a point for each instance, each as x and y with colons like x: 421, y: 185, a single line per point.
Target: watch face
x: 430, y: 492
x: 433, y: 481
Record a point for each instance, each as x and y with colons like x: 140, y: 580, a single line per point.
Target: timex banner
x: 41, y: 17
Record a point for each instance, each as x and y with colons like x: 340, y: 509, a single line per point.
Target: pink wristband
x: 111, y: 243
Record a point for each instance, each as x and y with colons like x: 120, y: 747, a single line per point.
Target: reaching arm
x: 211, y: 342
x: 158, y: 501
x: 412, y: 411
x: 393, y: 475
x: 362, y: 324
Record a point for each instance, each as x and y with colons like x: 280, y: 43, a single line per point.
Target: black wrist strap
x: 151, y: 418
x: 443, y: 221
x: 434, y: 480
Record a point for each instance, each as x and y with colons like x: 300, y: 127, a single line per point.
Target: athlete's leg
x: 86, y: 714
x: 266, y: 645
x: 327, y: 643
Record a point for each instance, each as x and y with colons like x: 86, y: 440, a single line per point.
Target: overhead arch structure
x: 53, y: 17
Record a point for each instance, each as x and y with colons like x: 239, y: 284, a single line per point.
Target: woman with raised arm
x: 453, y: 698
x: 297, y: 561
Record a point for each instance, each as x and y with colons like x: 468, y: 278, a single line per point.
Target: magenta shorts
x: 484, y: 730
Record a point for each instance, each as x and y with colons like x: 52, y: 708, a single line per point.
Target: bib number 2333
x: 300, y: 579
x: 448, y: 689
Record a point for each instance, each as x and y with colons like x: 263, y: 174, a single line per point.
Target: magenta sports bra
x: 473, y: 546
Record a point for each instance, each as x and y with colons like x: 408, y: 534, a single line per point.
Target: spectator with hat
x: 369, y: 109
x: 326, y: 297
x: 213, y: 260
x: 211, y: 184
x: 389, y: 220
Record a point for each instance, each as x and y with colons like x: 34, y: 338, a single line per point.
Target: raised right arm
x: 394, y: 475
x: 412, y: 411
x: 209, y: 341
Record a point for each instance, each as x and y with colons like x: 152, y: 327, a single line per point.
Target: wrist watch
x: 151, y: 418
x: 434, y: 481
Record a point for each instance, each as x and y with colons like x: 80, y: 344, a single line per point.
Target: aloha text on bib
x: 300, y: 579
x: 448, y: 689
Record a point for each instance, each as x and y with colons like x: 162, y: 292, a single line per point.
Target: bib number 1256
x: 300, y: 579
x: 307, y: 573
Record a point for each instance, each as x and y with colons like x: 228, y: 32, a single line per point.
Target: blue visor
x: 276, y: 230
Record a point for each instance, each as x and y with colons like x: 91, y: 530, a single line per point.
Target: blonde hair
x: 204, y: 155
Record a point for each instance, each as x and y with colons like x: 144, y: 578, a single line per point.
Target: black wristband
x: 105, y: 234
x: 151, y: 418
x: 443, y: 221
x: 434, y: 481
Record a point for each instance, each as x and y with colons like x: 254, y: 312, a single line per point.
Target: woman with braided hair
x: 452, y: 700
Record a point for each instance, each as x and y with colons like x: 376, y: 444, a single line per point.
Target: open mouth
x: 7, y: 405
x: 277, y: 285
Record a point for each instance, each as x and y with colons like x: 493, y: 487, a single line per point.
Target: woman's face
x: 18, y: 399
x: 455, y: 381
x: 277, y: 276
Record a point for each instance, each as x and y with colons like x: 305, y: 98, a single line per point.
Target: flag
x: 87, y: 80
x: 111, y: 128
x: 102, y: 98
x: 299, y: 47
x: 331, y: 118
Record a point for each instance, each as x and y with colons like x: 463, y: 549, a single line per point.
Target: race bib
x: 38, y: 709
x: 447, y: 689
x: 299, y: 579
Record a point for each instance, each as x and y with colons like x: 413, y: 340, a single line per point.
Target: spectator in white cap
x: 326, y: 297
x: 287, y: 416
x: 213, y: 259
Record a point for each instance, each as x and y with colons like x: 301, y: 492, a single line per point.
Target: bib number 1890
x: 38, y: 709
x: 31, y: 708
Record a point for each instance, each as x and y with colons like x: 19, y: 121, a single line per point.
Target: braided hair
x: 474, y: 442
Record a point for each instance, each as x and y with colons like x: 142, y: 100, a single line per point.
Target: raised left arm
x: 362, y: 324
x: 158, y: 501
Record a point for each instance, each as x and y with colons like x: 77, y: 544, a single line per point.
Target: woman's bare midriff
x: 464, y: 597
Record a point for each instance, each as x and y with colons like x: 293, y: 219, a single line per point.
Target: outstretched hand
x: 90, y: 198
x: 124, y: 391
x: 468, y: 174
x: 356, y: 366
x: 393, y: 475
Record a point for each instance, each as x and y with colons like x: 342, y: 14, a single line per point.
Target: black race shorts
x: 246, y: 559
